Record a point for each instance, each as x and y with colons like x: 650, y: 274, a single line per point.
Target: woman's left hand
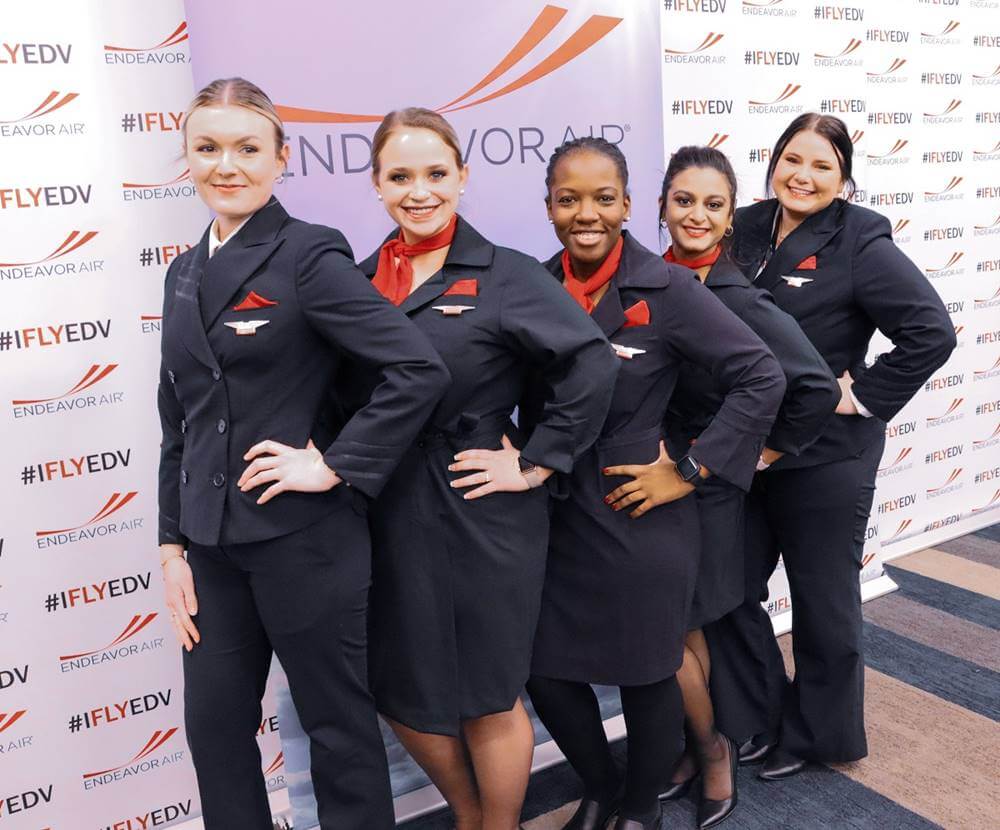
x: 846, y: 405
x: 652, y: 485
x: 497, y: 471
x: 286, y: 468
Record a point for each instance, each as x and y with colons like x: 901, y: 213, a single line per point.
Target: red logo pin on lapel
x: 253, y: 301
x: 467, y: 288
x: 808, y: 264
x: 637, y: 315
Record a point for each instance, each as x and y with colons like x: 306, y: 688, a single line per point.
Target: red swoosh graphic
x: 75, y: 240
x: 155, y: 742
x: 113, y: 505
x: 989, y: 505
x: 130, y: 630
x: 544, y: 23
x: 177, y: 36
x: 41, y: 110
x: 7, y: 723
x: 94, y: 375
x: 186, y: 174
x: 276, y: 763
x: 596, y: 27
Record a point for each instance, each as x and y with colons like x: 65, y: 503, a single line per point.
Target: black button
x: 184, y: 476
x: 218, y: 479
x: 170, y: 375
x: 184, y: 426
x: 216, y: 374
x: 221, y: 425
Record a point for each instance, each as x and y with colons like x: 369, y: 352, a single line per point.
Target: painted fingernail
x: 607, y: 499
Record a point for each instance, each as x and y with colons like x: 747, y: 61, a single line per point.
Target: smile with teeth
x: 422, y: 210
x: 696, y: 232
x: 587, y: 237
x: 798, y: 191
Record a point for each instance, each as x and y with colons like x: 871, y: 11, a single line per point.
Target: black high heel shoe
x: 780, y: 765
x: 592, y: 814
x: 678, y: 790
x: 632, y: 824
x: 712, y: 812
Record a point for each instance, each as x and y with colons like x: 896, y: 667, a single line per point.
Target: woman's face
x: 807, y: 176
x: 587, y: 204
x: 233, y: 159
x: 698, y: 210
x: 419, y: 181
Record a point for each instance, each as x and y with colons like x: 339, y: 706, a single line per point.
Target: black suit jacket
x: 220, y: 392
x: 861, y: 281
x: 811, y: 392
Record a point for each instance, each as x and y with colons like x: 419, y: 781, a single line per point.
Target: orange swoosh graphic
x: 129, y: 630
x: 596, y: 27
x: 185, y: 175
x: 544, y: 23
x: 44, y: 108
x: 93, y: 375
x: 75, y: 240
x: 155, y: 742
x: 113, y: 505
x: 178, y: 35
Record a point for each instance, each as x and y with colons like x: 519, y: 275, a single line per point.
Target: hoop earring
x: 728, y: 231
x: 663, y: 223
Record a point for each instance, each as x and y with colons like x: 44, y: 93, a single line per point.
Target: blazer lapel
x: 187, y: 306
x: 808, y: 238
x: 238, y: 260
x: 608, y: 313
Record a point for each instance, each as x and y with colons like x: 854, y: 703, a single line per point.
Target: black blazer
x: 860, y: 281
x: 220, y: 393
x: 811, y: 391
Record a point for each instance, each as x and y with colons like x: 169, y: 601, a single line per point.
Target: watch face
x: 525, y: 465
x: 688, y: 468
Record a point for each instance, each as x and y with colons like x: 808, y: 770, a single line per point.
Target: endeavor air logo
x: 74, y: 398
x: 987, y: 155
x: 716, y: 140
x: 901, y: 463
x: 778, y: 105
x: 273, y: 774
x: 36, y: 122
x: 946, y: 37
x: 987, y: 80
x: 893, y: 156
x: 118, y: 649
x: 144, y: 761
x: 987, y: 230
x: 9, y: 742
x: 989, y: 302
x: 162, y: 52
x: 990, y: 441
x: 898, y: 235
x: 59, y: 262
x: 948, y: 194
x: 841, y: 58
x: 947, y: 115
x: 950, y: 485
x: 948, y: 269
x: 987, y: 374
x: 890, y: 75
x: 990, y: 505
x: 97, y: 526
x: 178, y: 187
x: 768, y: 8
x: 904, y: 525
x: 950, y: 415
x: 695, y: 55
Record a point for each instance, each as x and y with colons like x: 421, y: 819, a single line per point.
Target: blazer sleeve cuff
x: 550, y: 448
x: 170, y: 532
x: 728, y: 454
x: 365, y: 466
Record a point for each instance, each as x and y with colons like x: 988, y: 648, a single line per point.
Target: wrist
x: 168, y: 552
x: 690, y: 471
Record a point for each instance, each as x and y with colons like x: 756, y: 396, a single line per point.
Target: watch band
x: 689, y: 470
x: 525, y: 466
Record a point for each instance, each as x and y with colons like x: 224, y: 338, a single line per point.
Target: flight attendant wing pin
x: 247, y: 327
x: 796, y: 282
x: 452, y: 310
x: 626, y: 352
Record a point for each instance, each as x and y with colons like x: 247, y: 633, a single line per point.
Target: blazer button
x: 218, y: 479
x: 184, y: 426
x: 184, y: 476
x: 221, y: 425
x: 170, y: 375
x: 216, y: 374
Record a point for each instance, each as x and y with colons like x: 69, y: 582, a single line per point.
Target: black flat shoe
x: 754, y: 751
x: 593, y: 815
x: 714, y: 811
x: 678, y: 790
x: 781, y: 764
x: 632, y: 824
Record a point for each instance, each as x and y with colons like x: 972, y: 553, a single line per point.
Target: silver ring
x: 487, y: 477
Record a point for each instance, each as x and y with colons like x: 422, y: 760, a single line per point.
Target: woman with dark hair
x: 460, y: 532
x: 697, y: 204
x: 624, y: 543
x: 262, y: 493
x: 833, y: 266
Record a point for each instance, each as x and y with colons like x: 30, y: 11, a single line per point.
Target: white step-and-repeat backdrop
x: 94, y: 204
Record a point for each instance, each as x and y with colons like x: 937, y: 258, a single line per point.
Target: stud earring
x: 627, y: 218
x: 378, y: 196
x: 461, y: 192
x: 280, y: 179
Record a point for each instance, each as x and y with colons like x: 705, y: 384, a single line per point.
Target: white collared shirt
x: 213, y: 235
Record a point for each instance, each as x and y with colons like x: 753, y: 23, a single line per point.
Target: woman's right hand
x: 178, y: 583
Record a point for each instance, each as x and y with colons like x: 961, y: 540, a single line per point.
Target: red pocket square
x: 253, y: 300
x: 808, y: 264
x: 637, y: 315
x: 467, y: 288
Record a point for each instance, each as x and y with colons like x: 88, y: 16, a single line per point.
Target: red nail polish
x: 607, y: 499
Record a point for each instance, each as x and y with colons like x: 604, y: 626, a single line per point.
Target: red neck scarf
x: 581, y: 290
x: 394, y: 274
x: 694, y: 264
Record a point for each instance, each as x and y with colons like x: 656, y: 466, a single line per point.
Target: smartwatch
x: 689, y: 470
x: 525, y: 466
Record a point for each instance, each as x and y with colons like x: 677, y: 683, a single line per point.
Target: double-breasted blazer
x: 841, y: 277
x: 811, y: 395
x: 617, y: 589
x: 457, y: 583
x: 296, y: 285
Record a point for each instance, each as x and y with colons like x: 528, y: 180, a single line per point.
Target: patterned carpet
x: 932, y: 703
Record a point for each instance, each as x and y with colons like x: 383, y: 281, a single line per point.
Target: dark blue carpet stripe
x: 816, y: 799
x: 968, y: 605
x: 959, y: 681
x: 991, y: 532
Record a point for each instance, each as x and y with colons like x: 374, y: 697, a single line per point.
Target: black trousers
x: 304, y: 595
x: 815, y: 517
